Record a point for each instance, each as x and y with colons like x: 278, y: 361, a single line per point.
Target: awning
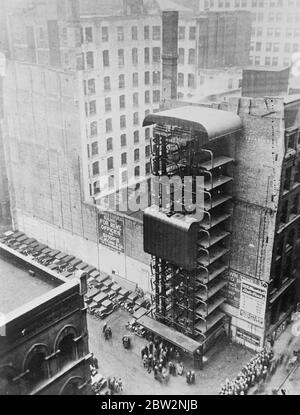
x: 215, y: 123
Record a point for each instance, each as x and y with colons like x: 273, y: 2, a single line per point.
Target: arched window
x: 37, y: 367
x: 66, y: 347
x: 72, y: 386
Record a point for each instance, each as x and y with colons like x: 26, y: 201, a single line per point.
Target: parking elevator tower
x: 190, y: 256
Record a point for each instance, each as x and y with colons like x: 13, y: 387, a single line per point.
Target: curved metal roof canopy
x: 215, y: 123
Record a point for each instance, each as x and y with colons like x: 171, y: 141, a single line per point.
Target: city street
x: 114, y: 360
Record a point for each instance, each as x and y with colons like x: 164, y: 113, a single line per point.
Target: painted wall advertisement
x: 249, y: 296
x: 253, y: 301
x: 111, y: 231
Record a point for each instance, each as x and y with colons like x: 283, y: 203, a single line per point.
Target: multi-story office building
x: 275, y: 27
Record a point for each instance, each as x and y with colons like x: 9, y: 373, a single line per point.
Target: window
x: 287, y: 47
x: 104, y: 31
x: 121, y: 57
x: 94, y: 128
x: 267, y: 60
x: 92, y: 108
x: 135, y: 99
x: 275, y: 61
x: 268, y: 46
x: 95, y: 149
x: 91, y: 86
x: 107, y: 83
x: 156, y: 77
x: 146, y: 33
x: 108, y: 125
x: 123, y: 140
x: 295, y: 205
x: 156, y: 33
x: 123, y: 121
x: 134, y: 33
x: 123, y: 159
x: 181, y: 32
x: 109, y: 144
x: 181, y: 56
x: 120, y: 33
x: 147, y: 97
x: 258, y: 46
x: 137, y: 171
x: 135, y: 79
x: 148, y: 168
x: 122, y: 102
x: 295, y: 47
x: 135, y: 118
x: 192, y: 56
x: 287, y: 179
x: 95, y: 168
x: 147, y: 78
x: 191, y: 80
x: 121, y: 81
x: 147, y: 55
x: 192, y: 33
x: 124, y: 176
x: 110, y: 163
x: 107, y: 103
x: 156, y: 54
x: 136, y: 137
x: 230, y: 83
x: 88, y: 34
x: 111, y: 181
x: 96, y: 186
x: 257, y: 60
x: 297, y: 174
x: 147, y: 151
x: 136, y: 155
x: 105, y: 58
x: 147, y: 133
x: 90, y: 60
x: 135, y: 60
x: 156, y: 96
x: 276, y: 47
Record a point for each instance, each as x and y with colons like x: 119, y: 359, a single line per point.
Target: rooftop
x: 18, y: 287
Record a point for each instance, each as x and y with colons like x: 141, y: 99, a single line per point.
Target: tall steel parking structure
x: 190, y: 254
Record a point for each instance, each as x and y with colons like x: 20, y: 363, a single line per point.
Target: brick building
x: 43, y: 331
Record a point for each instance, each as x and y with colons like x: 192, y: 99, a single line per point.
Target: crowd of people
x: 114, y: 385
x: 164, y: 360
x: 254, y: 372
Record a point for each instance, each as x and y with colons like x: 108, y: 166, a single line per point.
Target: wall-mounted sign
x: 248, y: 337
x: 111, y: 231
x: 253, y: 300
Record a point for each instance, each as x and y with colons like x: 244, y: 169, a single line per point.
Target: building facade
x: 44, y: 342
x: 275, y: 28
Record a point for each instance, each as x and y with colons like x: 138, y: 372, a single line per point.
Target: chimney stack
x: 169, y: 54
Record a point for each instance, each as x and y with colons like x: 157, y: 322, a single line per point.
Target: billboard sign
x: 111, y: 231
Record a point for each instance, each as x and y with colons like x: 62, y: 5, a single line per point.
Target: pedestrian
x: 143, y: 352
x: 109, y: 332
x: 188, y: 378
x: 104, y: 327
x: 94, y: 361
x: 193, y: 377
x: 151, y: 348
x: 180, y: 368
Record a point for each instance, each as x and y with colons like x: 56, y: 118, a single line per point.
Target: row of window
x: 95, y: 189
x: 89, y: 86
x: 191, y: 56
x: 89, y: 61
x: 268, y: 61
x: 87, y: 34
x: 191, y: 80
x: 276, y: 32
x: 246, y: 3
x: 91, y: 107
x: 275, y: 47
x: 123, y: 141
x: 182, y: 33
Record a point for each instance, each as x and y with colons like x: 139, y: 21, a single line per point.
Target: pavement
x: 114, y: 360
